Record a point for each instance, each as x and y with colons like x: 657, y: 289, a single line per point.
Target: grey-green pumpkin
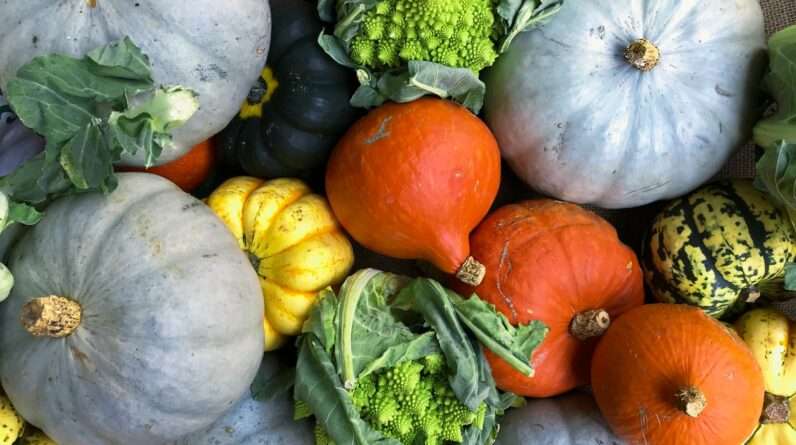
x: 147, y: 317
x: 258, y: 422
x: 216, y: 49
x: 571, y: 419
x: 619, y: 103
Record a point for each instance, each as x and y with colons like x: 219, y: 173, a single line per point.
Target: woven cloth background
x: 778, y: 15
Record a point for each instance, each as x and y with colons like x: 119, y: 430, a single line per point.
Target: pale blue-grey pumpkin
x: 135, y: 317
x: 258, y: 422
x: 583, y: 113
x: 216, y: 49
x: 571, y: 419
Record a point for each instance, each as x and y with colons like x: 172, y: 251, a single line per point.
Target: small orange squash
x: 412, y: 180
x: 565, y: 266
x: 187, y: 172
x: 669, y: 374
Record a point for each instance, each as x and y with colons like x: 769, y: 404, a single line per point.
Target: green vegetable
x: 404, y: 49
x: 452, y: 33
x: 780, y: 82
x: 396, y: 361
x: 776, y: 169
x: 90, y: 111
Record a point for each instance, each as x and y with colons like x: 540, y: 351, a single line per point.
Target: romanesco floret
x: 456, y: 33
x: 412, y: 402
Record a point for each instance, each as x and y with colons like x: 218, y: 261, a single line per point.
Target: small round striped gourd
x: 718, y: 248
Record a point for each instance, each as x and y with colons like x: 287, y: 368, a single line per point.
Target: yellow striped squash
x: 718, y: 248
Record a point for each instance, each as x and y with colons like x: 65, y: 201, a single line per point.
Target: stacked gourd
x: 147, y: 315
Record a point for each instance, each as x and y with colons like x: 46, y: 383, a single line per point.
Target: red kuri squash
x: 555, y: 262
x: 189, y: 171
x: 668, y: 374
x: 412, y: 180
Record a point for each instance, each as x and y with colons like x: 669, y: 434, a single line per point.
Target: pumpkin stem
x: 643, y: 54
x: 691, y: 401
x: 776, y: 409
x: 92, y: 3
x: 472, y: 272
x: 51, y: 316
x: 588, y: 324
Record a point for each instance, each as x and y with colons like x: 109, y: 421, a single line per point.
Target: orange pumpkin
x: 189, y: 171
x: 412, y: 180
x: 555, y: 262
x: 668, y: 374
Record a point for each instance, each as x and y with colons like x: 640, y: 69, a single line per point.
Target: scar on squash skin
x: 381, y: 133
x: 505, y: 260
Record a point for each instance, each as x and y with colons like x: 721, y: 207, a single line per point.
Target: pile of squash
x: 144, y: 315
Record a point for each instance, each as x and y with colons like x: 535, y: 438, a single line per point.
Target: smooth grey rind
x: 579, y: 123
x: 171, y: 333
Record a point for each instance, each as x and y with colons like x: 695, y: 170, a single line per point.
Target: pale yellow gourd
x: 11, y: 425
x: 772, y: 339
x: 293, y: 241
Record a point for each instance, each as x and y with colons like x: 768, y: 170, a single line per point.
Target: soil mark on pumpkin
x: 381, y: 133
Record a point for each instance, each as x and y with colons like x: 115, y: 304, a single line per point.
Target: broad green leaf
x: 326, y: 10
x: 335, y: 49
x: 23, y: 214
x: 366, y: 329
x: 515, y: 345
x: 776, y: 174
x: 790, y: 277
x: 322, y: 320
x: 780, y: 82
x: 121, y: 59
x: 319, y: 386
x: 267, y: 387
x: 86, y: 159
x: 90, y: 110
x: 417, y: 348
x: 430, y: 299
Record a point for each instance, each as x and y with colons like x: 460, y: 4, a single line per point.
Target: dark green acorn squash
x: 299, y: 107
x: 719, y: 248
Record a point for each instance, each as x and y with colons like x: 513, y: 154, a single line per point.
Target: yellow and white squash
x: 772, y: 339
x: 11, y: 425
x: 294, y: 242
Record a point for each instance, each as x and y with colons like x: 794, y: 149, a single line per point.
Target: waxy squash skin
x: 554, y: 262
x: 169, y: 332
x: 293, y: 241
x: 412, y: 180
x: 772, y: 340
x: 719, y: 247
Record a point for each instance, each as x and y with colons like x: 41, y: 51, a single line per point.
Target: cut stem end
x: 643, y: 55
x: 776, y: 409
x: 472, y: 272
x: 51, y: 316
x: 588, y: 324
x: 691, y: 401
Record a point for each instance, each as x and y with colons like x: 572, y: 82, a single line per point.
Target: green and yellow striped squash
x: 718, y: 248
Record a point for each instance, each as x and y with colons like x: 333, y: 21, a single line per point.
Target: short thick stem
x: 643, y: 55
x: 471, y: 272
x: 588, y: 324
x: 92, y: 3
x: 51, y: 316
x: 776, y: 409
x: 691, y: 401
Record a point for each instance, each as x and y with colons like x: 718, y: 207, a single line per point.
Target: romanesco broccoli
x: 456, y: 33
x: 411, y: 401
